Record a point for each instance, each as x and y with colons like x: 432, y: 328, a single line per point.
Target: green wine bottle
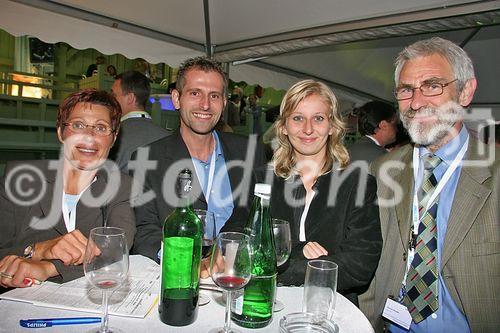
x: 181, y: 257
x: 253, y: 307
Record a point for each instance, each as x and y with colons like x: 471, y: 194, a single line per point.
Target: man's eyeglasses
x: 427, y: 89
x: 81, y: 127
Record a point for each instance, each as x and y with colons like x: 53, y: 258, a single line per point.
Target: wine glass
x: 283, y: 248
x: 231, y: 268
x: 106, y: 265
x: 207, y: 219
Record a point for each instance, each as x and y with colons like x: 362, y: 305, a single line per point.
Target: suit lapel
x: 470, y: 197
x: 403, y: 209
x: 235, y: 174
x: 51, y: 202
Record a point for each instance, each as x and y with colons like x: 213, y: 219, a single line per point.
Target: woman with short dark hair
x: 47, y: 208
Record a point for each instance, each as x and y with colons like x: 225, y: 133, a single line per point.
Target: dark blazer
x: 365, y: 150
x: 350, y: 233
x: 171, y: 151
x: 16, y: 231
x: 134, y: 133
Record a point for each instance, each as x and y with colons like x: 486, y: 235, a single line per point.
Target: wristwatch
x: 29, y: 251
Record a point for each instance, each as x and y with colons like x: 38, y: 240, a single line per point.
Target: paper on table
x: 134, y: 299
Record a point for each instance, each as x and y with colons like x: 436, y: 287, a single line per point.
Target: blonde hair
x: 284, y: 157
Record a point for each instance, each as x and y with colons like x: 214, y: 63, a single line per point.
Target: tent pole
x: 469, y: 37
x: 208, y: 40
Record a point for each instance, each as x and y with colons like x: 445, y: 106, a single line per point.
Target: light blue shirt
x: 221, y: 199
x: 448, y: 317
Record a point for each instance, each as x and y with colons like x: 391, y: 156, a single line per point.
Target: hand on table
x: 205, y: 268
x: 19, y: 272
x: 313, y: 250
x: 69, y: 248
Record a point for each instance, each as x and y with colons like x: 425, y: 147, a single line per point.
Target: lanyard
x: 446, y: 177
x: 211, y: 172
x: 135, y: 114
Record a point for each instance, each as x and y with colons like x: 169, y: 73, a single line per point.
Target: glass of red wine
x: 106, y: 265
x: 230, y: 268
x: 207, y: 219
x: 209, y: 231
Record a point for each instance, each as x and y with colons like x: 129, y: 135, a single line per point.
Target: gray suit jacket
x: 134, y: 133
x: 17, y: 233
x: 470, y: 262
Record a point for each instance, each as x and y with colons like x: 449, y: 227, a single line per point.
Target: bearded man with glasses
x: 440, y: 263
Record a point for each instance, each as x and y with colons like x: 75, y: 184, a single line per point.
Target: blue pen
x: 49, y: 322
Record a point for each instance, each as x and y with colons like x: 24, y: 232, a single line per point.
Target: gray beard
x: 434, y: 133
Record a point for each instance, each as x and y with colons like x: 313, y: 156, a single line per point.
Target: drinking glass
x: 283, y: 248
x: 106, y: 265
x: 231, y: 268
x: 207, y: 219
x: 320, y: 288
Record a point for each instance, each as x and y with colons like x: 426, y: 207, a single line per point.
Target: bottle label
x: 177, y: 262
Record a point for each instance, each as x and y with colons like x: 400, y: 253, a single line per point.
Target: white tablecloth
x: 349, y: 318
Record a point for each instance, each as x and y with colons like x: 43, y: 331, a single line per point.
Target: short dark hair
x: 371, y: 114
x: 201, y: 63
x: 136, y: 83
x: 92, y: 96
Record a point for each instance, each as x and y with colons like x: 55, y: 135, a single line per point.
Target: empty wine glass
x: 209, y: 233
x: 283, y: 248
x: 106, y: 265
x: 230, y: 267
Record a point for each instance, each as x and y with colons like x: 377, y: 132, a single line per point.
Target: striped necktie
x: 421, y: 297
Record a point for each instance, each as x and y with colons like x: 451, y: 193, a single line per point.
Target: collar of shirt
x: 218, y: 148
x: 135, y: 114
x: 446, y: 153
x: 374, y: 140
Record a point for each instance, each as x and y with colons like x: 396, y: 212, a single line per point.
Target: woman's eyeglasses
x: 81, y: 127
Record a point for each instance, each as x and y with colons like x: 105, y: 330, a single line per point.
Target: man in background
x: 92, y: 69
x: 378, y: 123
x: 132, y: 90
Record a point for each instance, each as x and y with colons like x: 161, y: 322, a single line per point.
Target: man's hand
x: 16, y: 269
x: 313, y: 250
x: 69, y: 248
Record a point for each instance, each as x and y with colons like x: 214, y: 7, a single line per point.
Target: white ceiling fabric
x: 19, y: 19
x: 171, y: 31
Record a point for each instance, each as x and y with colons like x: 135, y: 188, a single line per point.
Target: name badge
x: 397, y: 313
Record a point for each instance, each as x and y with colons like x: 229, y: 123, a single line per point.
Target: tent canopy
x: 349, y: 44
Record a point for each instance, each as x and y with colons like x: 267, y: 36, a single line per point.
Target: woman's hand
x: 69, y: 248
x: 15, y: 271
x: 313, y: 250
x: 205, y: 268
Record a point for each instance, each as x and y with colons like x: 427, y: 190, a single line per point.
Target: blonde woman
x: 331, y: 208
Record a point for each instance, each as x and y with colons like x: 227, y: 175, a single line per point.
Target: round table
x: 347, y: 316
